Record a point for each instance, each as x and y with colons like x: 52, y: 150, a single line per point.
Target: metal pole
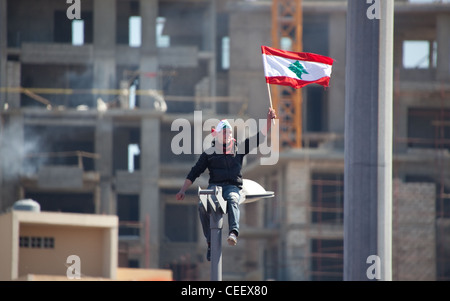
x: 216, y: 207
x: 368, y: 141
x: 3, y: 23
x: 361, y: 141
x: 216, y: 224
x: 214, y: 204
x: 385, y: 92
x: 3, y: 56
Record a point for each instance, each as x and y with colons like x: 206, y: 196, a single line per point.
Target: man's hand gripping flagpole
x: 271, y: 105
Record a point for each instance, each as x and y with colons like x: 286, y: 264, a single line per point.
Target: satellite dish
x: 252, y: 191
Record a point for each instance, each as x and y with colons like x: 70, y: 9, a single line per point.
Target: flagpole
x: 270, y: 99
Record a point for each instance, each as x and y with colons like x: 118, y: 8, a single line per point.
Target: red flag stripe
x: 295, y: 83
x: 302, y: 56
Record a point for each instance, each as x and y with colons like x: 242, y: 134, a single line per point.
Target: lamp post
x: 216, y: 207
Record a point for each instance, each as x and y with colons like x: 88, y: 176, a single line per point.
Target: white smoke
x: 15, y: 150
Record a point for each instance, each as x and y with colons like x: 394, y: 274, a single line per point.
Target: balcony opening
x: 128, y: 213
x: 133, y: 153
x: 162, y: 41
x: 135, y: 31
x: 77, y: 32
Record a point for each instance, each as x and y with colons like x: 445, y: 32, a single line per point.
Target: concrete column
x: 296, y: 248
x: 252, y: 216
x: 148, y: 65
x: 400, y: 108
x: 104, y: 165
x: 443, y: 44
x: 3, y: 47
x: 336, y: 96
x: 1, y: 167
x: 13, y: 76
x: 368, y: 145
x: 401, y: 125
x: 149, y: 196
x: 104, y: 46
x: 211, y: 36
x: 385, y: 134
x: 3, y: 30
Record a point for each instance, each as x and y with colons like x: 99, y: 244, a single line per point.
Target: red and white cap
x: 223, y: 124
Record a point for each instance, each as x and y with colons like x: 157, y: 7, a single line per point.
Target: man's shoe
x: 208, y: 253
x: 232, y: 239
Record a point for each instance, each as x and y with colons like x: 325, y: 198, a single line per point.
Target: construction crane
x: 287, y: 24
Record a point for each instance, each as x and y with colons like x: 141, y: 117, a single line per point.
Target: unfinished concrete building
x: 87, y: 107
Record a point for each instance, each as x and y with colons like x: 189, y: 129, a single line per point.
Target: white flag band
x: 295, y: 69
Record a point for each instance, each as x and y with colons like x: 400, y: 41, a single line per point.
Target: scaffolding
x: 428, y: 138
x: 287, y: 24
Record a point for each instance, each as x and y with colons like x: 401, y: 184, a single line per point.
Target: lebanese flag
x: 295, y: 69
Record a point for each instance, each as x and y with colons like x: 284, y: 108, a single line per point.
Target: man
x: 224, y: 162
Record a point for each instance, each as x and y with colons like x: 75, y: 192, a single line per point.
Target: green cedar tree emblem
x: 298, y: 69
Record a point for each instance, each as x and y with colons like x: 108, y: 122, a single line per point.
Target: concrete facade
x: 415, y: 232
x: 73, y: 137
x: 92, y: 238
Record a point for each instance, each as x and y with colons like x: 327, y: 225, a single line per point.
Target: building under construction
x: 89, y: 92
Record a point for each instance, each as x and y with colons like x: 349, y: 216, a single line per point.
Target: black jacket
x: 224, y: 169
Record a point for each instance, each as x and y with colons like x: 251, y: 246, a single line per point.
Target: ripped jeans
x: 231, y: 194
